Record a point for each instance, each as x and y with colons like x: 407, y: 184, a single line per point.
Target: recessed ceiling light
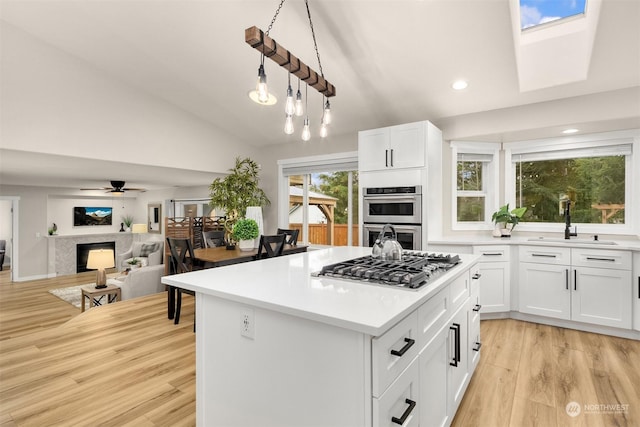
x: 570, y: 131
x: 254, y: 97
x: 460, y: 84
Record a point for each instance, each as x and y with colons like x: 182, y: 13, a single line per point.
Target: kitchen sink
x: 580, y: 241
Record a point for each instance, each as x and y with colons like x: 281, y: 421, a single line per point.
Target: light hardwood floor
x: 127, y: 364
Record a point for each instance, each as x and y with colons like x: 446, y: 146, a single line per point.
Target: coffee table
x: 95, y: 296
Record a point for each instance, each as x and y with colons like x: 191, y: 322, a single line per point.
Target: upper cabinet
x: 394, y: 147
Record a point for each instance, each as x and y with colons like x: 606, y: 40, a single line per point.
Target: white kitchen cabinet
x: 601, y: 296
x: 457, y: 346
x: 474, y: 319
x: 636, y: 291
x: 394, y: 147
x: 398, y: 404
x: 544, y: 290
x: 434, y: 366
x: 495, y: 270
x: 585, y: 285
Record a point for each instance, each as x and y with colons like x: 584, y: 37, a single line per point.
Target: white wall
x: 60, y: 210
x: 53, y: 102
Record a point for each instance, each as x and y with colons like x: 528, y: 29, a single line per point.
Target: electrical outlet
x: 247, y: 325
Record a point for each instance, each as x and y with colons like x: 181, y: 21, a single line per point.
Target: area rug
x: 72, y: 294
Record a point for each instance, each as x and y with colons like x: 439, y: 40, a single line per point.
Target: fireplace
x: 82, y: 253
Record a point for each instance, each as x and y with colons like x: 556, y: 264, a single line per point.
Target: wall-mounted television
x: 92, y: 216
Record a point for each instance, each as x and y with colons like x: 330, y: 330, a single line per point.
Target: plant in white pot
x: 503, y: 217
x: 245, y: 230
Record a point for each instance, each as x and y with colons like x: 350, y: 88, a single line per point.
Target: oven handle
x: 378, y: 198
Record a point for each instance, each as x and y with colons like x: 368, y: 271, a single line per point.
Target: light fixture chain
x: 313, y: 34
x: 275, y: 17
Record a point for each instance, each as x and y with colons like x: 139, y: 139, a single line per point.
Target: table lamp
x: 139, y: 229
x: 100, y: 259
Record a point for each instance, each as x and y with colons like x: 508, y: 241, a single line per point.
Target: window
x: 319, y: 196
x: 538, y: 12
x: 475, y: 184
x: 594, y: 172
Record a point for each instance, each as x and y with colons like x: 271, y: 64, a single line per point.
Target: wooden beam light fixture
x: 269, y: 48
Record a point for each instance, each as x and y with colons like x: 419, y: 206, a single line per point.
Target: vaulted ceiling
x: 391, y: 61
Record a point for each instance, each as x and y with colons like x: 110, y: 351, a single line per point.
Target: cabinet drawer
x: 601, y: 258
x: 399, y: 405
x: 492, y: 253
x: 432, y: 315
x: 545, y: 255
x: 459, y: 290
x: 393, y: 351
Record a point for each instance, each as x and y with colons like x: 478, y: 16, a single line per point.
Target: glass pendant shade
x: 288, y: 124
x: 306, y: 133
x: 299, y: 107
x: 289, y: 106
x: 261, y: 87
x: 327, y: 113
x: 323, y: 130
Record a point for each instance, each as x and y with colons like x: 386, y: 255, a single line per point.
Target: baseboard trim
x: 567, y: 324
x: 38, y: 277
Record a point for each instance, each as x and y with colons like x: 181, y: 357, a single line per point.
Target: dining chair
x: 292, y: 236
x: 270, y: 246
x: 182, y: 260
x: 213, y: 239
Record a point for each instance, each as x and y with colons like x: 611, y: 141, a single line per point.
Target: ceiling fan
x: 117, y: 187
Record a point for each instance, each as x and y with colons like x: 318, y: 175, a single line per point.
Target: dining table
x: 221, y: 256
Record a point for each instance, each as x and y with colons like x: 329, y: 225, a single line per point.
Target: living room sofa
x: 139, y: 282
x: 147, y: 253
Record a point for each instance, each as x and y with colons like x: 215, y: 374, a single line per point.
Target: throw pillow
x: 148, y: 248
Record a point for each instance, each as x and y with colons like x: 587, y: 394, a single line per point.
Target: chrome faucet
x: 567, y: 222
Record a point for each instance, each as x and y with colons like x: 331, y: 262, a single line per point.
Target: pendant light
x: 299, y: 106
x: 327, y: 113
x: 323, y: 122
x: 289, y: 106
x: 306, y: 133
x: 288, y: 124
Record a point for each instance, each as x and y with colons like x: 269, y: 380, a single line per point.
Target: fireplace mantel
x: 62, y: 249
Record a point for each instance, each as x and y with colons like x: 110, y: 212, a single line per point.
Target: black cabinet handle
x: 386, y: 158
x: 566, y: 278
x: 407, y: 412
x: 392, y: 157
x: 403, y: 350
x: 544, y: 255
x: 477, y: 347
x: 575, y: 280
x: 477, y: 307
x: 456, y: 357
x: 476, y: 276
x: 491, y: 253
x: 601, y: 259
x: 638, y: 287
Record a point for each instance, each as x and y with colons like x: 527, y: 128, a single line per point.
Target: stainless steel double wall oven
x: 399, y: 206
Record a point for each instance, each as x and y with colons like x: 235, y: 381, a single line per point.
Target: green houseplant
x: 237, y: 191
x: 245, y: 230
x: 127, y: 220
x: 503, y: 217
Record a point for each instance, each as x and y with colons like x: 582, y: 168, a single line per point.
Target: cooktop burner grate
x: 413, y: 271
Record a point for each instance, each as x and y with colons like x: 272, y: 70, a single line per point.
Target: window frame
x: 559, y: 148
x: 490, y: 182
x: 306, y: 165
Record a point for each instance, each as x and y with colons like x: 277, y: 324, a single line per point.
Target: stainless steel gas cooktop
x: 413, y: 271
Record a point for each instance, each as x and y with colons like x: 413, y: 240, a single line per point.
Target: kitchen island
x: 276, y: 346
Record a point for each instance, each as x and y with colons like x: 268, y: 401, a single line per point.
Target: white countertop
x: 284, y: 284
x: 620, y: 245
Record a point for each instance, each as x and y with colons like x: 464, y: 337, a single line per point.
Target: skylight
x: 538, y: 12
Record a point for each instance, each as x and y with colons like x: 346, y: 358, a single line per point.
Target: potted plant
x: 134, y: 263
x: 52, y: 230
x: 237, y: 191
x: 127, y: 220
x: 506, y: 220
x: 245, y: 231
